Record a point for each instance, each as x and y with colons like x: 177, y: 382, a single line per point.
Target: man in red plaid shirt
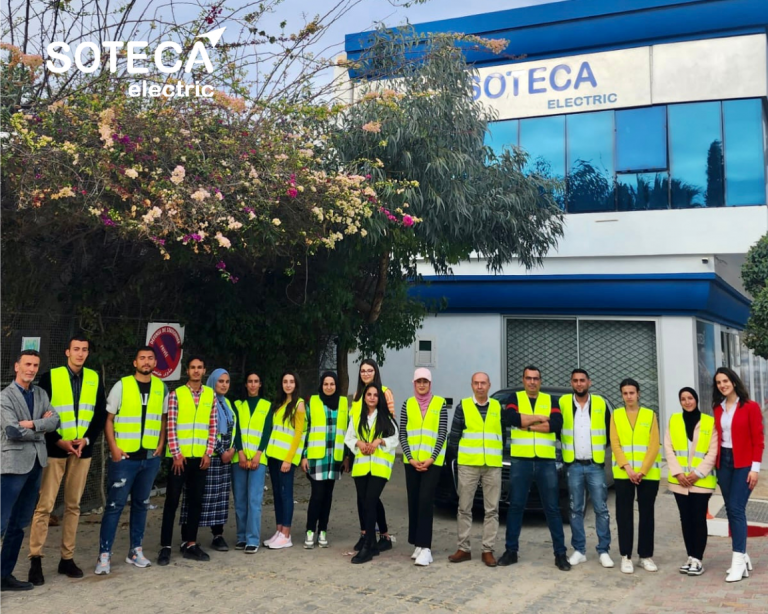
x: 190, y: 408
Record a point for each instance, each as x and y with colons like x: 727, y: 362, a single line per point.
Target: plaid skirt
x: 216, y: 498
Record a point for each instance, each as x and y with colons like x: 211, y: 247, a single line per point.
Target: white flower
x: 223, y: 241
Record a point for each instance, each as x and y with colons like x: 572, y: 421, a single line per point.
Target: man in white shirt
x: 586, y: 424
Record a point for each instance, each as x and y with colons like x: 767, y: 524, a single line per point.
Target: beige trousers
x: 73, y: 471
x: 469, y: 478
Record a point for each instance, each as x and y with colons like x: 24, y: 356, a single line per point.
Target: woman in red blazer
x: 739, y: 423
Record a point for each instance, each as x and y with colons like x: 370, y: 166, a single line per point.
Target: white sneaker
x: 309, y: 540
x: 281, y: 542
x: 648, y: 564
x: 424, y: 558
x: 606, y: 560
x: 684, y: 568
x: 626, y: 565
x: 577, y: 557
x: 103, y: 566
x: 416, y: 553
x: 271, y: 539
x: 136, y: 557
x: 322, y: 541
x: 696, y: 568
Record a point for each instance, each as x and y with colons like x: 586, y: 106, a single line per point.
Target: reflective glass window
x: 642, y: 191
x: 590, y: 162
x: 641, y: 139
x: 744, y: 156
x: 543, y: 138
x: 696, y: 155
x: 501, y: 135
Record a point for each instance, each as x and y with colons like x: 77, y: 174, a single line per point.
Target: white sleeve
x: 350, y: 439
x: 115, y: 398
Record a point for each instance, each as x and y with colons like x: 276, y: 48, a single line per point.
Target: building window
x: 744, y: 161
x: 425, y: 353
x: 696, y: 155
x: 590, y: 162
x: 641, y: 140
x: 702, y: 154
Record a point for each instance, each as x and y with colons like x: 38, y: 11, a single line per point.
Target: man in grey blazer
x: 25, y: 416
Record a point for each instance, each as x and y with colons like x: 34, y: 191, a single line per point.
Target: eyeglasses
x: 367, y: 371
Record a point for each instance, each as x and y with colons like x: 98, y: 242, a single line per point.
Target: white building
x: 661, y: 104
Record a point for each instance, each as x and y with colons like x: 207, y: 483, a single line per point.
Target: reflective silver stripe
x: 493, y: 437
x: 428, y: 433
x: 471, y: 450
x: 568, y: 446
x: 185, y: 441
x: 378, y: 460
x: 521, y: 442
x: 283, y: 429
x: 128, y: 419
x: 280, y: 444
x: 569, y: 432
x: 493, y: 453
x: 63, y: 408
x: 128, y: 436
x: 547, y: 443
x: 86, y: 407
x: 598, y: 433
x: 639, y: 448
x: 69, y: 424
x: 151, y: 432
x: 421, y: 448
x: 317, y: 429
x: 472, y: 436
x: 699, y: 455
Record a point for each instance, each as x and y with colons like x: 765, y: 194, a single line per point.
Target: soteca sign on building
x: 713, y: 69
x: 60, y: 62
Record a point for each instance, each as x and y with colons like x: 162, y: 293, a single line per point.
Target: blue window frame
x: 744, y: 157
x: 641, y: 139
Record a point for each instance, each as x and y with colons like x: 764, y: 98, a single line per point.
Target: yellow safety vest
x: 316, y: 432
x: 378, y: 464
x: 634, y: 443
x: 680, y: 444
x: 481, y: 443
x: 530, y: 444
x: 282, y: 437
x: 129, y: 434
x: 73, y: 426
x: 422, y: 431
x: 599, y: 437
x: 251, y: 427
x: 192, y: 422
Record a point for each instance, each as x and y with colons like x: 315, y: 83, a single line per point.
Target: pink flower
x: 407, y: 220
x: 221, y: 265
x: 293, y: 192
x: 374, y: 127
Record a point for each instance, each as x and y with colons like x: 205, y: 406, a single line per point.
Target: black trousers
x: 320, y: 502
x: 625, y: 505
x: 421, y: 487
x: 381, y: 516
x: 369, y: 489
x: 194, y: 479
x: 693, y: 518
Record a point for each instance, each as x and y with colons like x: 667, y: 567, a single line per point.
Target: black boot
x: 69, y: 568
x: 36, y: 571
x: 366, y: 554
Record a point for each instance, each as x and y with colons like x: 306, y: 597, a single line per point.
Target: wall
x: 463, y: 343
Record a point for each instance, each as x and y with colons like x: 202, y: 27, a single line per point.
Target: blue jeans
x: 18, y: 498
x: 592, y: 477
x: 282, y: 486
x: 522, y: 472
x: 134, y: 478
x: 248, y: 488
x: 733, y: 484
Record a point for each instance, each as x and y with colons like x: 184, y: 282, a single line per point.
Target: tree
x: 754, y: 273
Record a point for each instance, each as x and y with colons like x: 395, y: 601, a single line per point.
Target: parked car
x: 446, y: 494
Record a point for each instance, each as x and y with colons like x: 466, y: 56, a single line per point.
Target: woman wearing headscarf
x: 369, y: 374
x: 218, y: 481
x: 323, y: 458
x: 423, y: 430
x: 690, y: 447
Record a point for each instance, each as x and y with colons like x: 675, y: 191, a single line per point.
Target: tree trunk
x: 342, y: 365
x: 381, y: 289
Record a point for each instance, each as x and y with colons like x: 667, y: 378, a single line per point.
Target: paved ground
x: 323, y: 580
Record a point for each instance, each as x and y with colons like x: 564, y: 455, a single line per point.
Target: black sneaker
x: 240, y: 546
x: 251, y: 549
x: 508, y: 558
x: 219, y: 544
x: 164, y: 558
x: 182, y: 547
x: 365, y: 555
x: 36, y: 571
x: 69, y: 568
x: 384, y: 544
x: 360, y: 543
x: 562, y: 563
x: 9, y: 583
x: 196, y: 553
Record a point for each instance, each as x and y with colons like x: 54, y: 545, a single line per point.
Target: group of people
x: 213, y: 446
